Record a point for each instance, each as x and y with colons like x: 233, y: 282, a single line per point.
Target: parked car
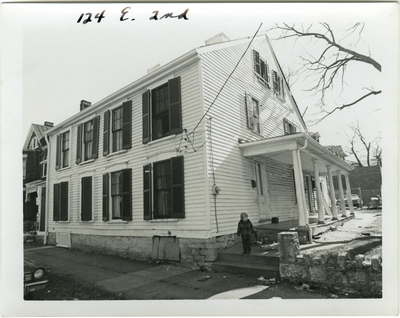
x: 34, y: 277
x: 354, y: 198
x: 375, y: 203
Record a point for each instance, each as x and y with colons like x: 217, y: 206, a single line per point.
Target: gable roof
x: 38, y: 131
x: 180, y: 61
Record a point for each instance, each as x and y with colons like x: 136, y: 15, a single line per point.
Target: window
x: 288, y: 127
x: 33, y: 143
x: 162, y: 111
x: 60, y: 202
x: 87, y: 145
x: 118, y: 201
x: 86, y: 199
x: 261, y: 68
x: 24, y: 158
x: 63, y: 153
x: 278, y: 84
x: 118, y: 128
x: 43, y: 163
x: 163, y: 190
x: 253, y: 114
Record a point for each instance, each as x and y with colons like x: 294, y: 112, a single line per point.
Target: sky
x: 64, y: 61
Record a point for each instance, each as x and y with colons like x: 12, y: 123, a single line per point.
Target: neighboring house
x: 337, y: 150
x: 34, y: 163
x: 163, y: 167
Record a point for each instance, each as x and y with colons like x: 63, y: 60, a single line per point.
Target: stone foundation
x: 197, y: 254
x: 338, y: 271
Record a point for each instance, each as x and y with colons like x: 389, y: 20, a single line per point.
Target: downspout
x: 302, y: 182
x: 46, y: 226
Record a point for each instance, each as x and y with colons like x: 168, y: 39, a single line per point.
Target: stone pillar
x: 341, y: 194
x: 332, y: 194
x: 310, y: 194
x: 348, y: 191
x: 321, y: 216
x: 298, y: 180
x: 289, y: 246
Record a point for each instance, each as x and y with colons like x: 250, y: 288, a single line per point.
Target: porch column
x: 298, y: 180
x: 310, y: 194
x: 341, y: 194
x: 321, y: 216
x: 348, y: 191
x: 332, y: 193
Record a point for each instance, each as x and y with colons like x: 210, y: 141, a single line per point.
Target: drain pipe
x: 46, y: 212
x: 302, y: 182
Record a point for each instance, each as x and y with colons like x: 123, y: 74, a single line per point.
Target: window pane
x: 117, y: 207
x: 162, y: 187
x: 117, y: 140
x: 160, y: 112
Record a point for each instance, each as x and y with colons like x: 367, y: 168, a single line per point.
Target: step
x: 251, y: 270
x: 254, y: 258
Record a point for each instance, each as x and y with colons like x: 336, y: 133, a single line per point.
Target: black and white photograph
x: 219, y: 159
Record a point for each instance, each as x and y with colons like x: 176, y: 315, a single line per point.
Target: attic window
x: 261, y: 68
x: 278, y: 84
x: 288, y: 127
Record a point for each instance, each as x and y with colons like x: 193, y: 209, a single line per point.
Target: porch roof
x: 280, y: 148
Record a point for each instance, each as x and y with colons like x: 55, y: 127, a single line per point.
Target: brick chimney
x: 220, y: 37
x: 84, y: 104
x: 48, y: 124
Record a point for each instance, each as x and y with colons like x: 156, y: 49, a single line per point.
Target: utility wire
x: 237, y: 64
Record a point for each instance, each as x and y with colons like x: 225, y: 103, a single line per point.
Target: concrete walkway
x: 353, y: 229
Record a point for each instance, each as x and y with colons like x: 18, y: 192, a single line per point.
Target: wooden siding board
x: 135, y: 158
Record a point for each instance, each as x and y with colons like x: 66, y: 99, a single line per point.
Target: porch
x: 314, y: 167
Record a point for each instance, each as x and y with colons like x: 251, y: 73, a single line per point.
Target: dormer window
x: 261, y: 68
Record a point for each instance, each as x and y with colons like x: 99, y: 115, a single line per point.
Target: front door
x: 264, y: 210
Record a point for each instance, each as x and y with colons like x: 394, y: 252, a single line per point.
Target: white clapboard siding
x: 195, y: 223
x: 233, y: 172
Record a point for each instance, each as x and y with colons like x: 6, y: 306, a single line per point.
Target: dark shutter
x: 106, y: 197
x: 249, y: 111
x: 79, y: 144
x: 178, y: 199
x: 256, y: 56
x: 147, y: 203
x: 282, y: 91
x: 146, y: 117
x: 42, y: 221
x: 86, y: 201
x: 95, y: 146
x: 127, y: 125
x: 56, y: 202
x: 64, y: 201
x: 58, y: 152
x: 286, y: 129
x: 106, y: 133
x: 175, y: 105
x: 127, y: 194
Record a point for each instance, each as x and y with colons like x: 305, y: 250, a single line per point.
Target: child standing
x: 245, y: 228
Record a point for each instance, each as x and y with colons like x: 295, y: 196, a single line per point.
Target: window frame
x: 254, y: 122
x: 125, y: 131
x: 289, y: 128
x: 126, y: 196
x: 176, y: 203
x: 116, y: 133
x: 43, y: 163
x: 173, y: 113
x: 261, y: 74
x: 61, y: 195
x: 61, y: 151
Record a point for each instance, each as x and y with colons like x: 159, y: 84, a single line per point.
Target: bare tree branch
x: 348, y: 105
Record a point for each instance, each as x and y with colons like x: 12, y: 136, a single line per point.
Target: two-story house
x: 34, y: 165
x: 163, y: 167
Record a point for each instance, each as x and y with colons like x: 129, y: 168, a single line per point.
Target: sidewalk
x: 139, y: 280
